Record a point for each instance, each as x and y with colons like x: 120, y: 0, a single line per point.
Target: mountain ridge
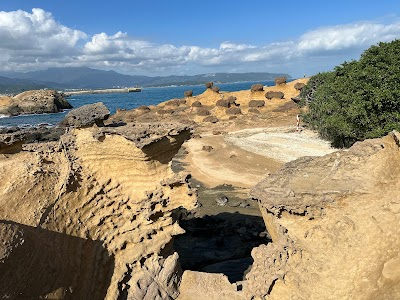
x: 88, y: 78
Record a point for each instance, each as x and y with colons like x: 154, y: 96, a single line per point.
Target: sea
x: 148, y: 96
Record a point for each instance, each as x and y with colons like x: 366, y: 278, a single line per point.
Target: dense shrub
x: 358, y: 99
x: 280, y: 80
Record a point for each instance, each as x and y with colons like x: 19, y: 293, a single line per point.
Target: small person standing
x: 298, y: 123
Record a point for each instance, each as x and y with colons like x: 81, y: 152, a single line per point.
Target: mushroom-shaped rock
x: 188, y: 93
x: 211, y: 119
x: 299, y: 86
x: 233, y: 111
x: 223, y: 103
x: 273, y: 94
x: 197, y: 104
x: 256, y: 103
x: 203, y: 112
x: 215, y: 89
x: 258, y: 87
x: 209, y: 85
x: 86, y: 116
x: 253, y: 110
x: 280, y: 80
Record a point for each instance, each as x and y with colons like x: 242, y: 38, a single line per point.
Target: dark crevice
x: 220, y: 243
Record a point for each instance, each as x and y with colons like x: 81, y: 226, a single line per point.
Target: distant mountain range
x: 87, y: 78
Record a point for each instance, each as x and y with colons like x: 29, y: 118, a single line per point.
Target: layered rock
x: 90, y: 216
x: 334, y: 222
x: 33, y: 102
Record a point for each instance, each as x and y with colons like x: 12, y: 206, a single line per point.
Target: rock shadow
x: 36, y: 263
x: 220, y: 243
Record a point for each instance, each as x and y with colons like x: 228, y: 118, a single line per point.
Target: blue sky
x: 187, y: 37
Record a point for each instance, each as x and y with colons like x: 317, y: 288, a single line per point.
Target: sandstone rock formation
x: 258, y: 87
x: 33, y: 102
x: 87, y: 115
x: 334, y: 224
x: 90, y: 216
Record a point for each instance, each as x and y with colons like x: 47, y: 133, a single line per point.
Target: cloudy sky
x: 159, y: 37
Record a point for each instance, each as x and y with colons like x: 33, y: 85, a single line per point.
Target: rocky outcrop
x: 90, y: 216
x: 12, y: 138
x: 87, y: 115
x: 334, y: 224
x: 33, y: 102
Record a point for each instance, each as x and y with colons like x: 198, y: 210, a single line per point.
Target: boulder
x: 233, y: 111
x: 34, y: 102
x: 211, y: 119
x: 258, y: 87
x: 209, y: 85
x: 256, y: 103
x: 202, y: 112
x: 254, y: 110
x: 188, y: 93
x: 273, y: 94
x: 223, y: 103
x: 86, y: 116
x: 299, y: 86
x: 215, y: 89
x: 280, y: 80
x: 197, y: 104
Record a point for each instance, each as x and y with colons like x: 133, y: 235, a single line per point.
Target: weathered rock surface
x: 12, y: 138
x: 334, y: 225
x: 87, y: 115
x: 90, y: 216
x: 33, y: 102
x: 334, y: 222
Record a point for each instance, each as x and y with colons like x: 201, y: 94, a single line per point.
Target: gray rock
x: 222, y: 200
x: 86, y: 116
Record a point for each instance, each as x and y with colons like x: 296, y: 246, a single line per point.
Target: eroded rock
x: 90, y: 216
x: 86, y: 115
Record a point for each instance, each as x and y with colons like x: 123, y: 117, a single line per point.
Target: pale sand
x: 244, y: 157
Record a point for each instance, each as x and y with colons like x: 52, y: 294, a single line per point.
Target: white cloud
x: 348, y: 36
x: 36, y: 40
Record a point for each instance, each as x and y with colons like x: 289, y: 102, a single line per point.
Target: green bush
x: 358, y: 99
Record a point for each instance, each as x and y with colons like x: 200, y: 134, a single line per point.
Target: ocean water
x: 148, y: 96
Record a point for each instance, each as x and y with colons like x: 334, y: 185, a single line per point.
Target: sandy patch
x: 282, y: 143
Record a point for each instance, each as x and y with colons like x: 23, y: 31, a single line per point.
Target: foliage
x: 358, y: 99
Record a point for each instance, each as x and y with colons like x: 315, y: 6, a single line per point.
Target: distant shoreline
x: 103, y: 91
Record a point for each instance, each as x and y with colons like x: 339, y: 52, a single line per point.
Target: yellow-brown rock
x: 334, y: 222
x: 91, y: 216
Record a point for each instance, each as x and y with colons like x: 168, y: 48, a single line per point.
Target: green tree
x: 358, y: 99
